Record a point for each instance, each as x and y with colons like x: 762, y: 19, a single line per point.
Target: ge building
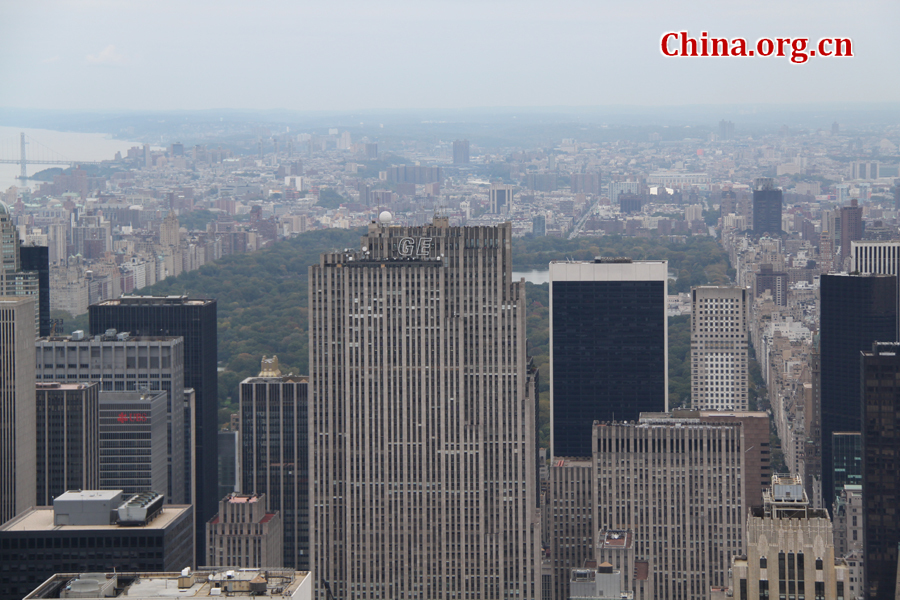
x: 422, y: 418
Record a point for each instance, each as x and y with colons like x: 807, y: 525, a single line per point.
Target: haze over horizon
x: 439, y: 55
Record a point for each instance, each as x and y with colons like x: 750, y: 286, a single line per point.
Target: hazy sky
x: 346, y: 55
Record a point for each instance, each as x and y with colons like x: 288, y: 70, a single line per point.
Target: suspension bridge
x: 42, y: 155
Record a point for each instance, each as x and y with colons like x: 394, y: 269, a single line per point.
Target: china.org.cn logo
x: 132, y: 417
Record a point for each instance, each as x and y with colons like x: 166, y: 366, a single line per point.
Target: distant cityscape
x: 407, y: 462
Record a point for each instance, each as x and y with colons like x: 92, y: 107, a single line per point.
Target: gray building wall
x: 129, y: 365
x: 18, y: 455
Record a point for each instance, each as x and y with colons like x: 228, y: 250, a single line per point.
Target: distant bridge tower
x: 23, y: 171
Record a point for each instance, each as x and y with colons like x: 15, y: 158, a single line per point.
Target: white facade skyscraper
x: 719, y: 339
x: 422, y: 418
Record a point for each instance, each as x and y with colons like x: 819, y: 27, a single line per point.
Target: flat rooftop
x: 155, y: 301
x: 41, y: 519
x: 278, y: 582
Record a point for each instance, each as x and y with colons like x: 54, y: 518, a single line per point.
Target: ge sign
x: 409, y: 247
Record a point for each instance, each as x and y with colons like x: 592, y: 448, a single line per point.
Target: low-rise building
x: 94, y: 531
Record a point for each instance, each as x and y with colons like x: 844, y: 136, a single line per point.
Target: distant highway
x: 577, y: 229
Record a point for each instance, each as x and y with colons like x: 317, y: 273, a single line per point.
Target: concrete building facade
x: 244, y: 535
x: 422, y: 418
x: 789, y: 549
x: 719, y: 348
x: 567, y: 519
x: 118, y: 362
x: 18, y: 454
x: 678, y: 484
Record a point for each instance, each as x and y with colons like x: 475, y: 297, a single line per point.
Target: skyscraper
x: 501, y: 196
x: 422, y: 418
x: 767, y: 200
x: 881, y: 487
x: 15, y: 280
x: 36, y: 259
x: 461, y: 152
x: 195, y: 320
x: 133, y: 441
x: 789, y: 549
x: 851, y: 227
x: 719, y: 341
x: 608, y: 347
x: 274, y: 452
x: 679, y: 484
x: 18, y: 452
x: 68, y: 439
x: 855, y: 311
x: 121, y: 363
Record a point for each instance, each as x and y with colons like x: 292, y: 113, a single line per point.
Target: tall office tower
x: 539, y: 226
x: 195, y: 320
x: 461, y: 152
x: 371, y: 152
x: 94, y: 531
x: 18, y: 455
x: 148, y: 157
x: 851, y: 227
x: 679, y: 485
x: 855, y: 312
x: 897, y: 194
x: 608, y: 347
x: 424, y: 464
x: 501, y: 198
x: 767, y: 201
x: 68, y: 439
x: 274, y: 452
x: 726, y: 129
x: 568, y: 529
x: 229, y: 466
x: 875, y: 257
x: 789, y: 549
x: 719, y: 338
x: 846, y: 452
x: 36, y: 259
x: 14, y: 280
x: 121, y: 363
x: 244, y: 535
x: 880, y: 485
x: 133, y: 428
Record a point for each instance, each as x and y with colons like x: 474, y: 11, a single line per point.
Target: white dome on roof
x: 385, y: 217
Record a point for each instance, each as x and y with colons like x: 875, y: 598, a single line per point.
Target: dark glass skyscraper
x: 881, y: 486
x: 855, y: 312
x: 767, y: 201
x: 37, y: 260
x: 608, y: 347
x: 274, y: 451
x: 195, y: 321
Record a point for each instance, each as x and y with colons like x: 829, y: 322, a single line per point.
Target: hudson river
x: 43, y: 144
